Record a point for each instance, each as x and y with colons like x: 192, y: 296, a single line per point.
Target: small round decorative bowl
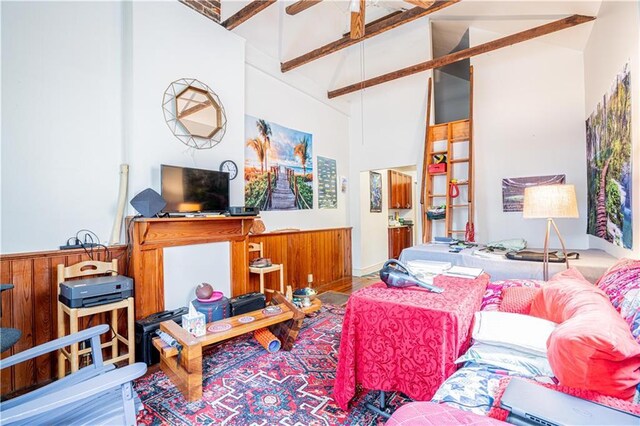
x: 305, y: 292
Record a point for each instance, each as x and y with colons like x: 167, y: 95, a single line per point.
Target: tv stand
x: 149, y: 236
x: 196, y: 214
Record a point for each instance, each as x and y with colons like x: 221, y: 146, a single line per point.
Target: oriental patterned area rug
x: 246, y: 385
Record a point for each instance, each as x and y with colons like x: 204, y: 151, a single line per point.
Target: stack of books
x: 426, y: 270
x: 463, y: 272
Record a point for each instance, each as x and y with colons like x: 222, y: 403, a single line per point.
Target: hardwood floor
x: 350, y: 284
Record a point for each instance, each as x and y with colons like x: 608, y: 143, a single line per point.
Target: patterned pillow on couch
x: 495, y: 291
x: 621, y: 283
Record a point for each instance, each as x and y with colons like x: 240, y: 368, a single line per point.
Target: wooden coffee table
x: 185, y: 371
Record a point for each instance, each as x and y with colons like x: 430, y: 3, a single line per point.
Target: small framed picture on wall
x: 375, y: 192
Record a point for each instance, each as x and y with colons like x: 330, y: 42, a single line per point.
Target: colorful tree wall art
x: 278, y: 166
x: 609, y: 164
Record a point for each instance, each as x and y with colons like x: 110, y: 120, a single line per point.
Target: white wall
x: 187, y: 266
x: 374, y: 246
x: 169, y: 42
x: 62, y: 124
x: 528, y: 121
x: 374, y: 249
x: 387, y: 128
x: 274, y: 100
x: 83, y: 92
x: 613, y: 42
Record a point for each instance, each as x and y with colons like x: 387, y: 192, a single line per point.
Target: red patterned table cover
x: 405, y: 339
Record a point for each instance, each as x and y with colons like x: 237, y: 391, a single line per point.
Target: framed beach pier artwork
x: 278, y: 166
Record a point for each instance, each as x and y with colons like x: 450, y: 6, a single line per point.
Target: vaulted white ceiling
x: 284, y: 37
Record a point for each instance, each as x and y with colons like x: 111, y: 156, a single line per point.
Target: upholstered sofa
x: 477, y: 386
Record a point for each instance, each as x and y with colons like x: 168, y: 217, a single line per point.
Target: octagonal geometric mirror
x: 194, y: 113
x: 198, y: 112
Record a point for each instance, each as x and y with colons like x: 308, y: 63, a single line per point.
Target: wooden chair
x: 257, y: 247
x: 73, y: 354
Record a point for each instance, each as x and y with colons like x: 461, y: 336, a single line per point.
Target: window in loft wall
x: 451, y: 82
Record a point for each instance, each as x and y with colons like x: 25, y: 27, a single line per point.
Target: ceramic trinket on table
x: 303, y: 296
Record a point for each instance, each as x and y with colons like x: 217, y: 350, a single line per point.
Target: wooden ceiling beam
x: 561, y: 24
x: 368, y: 26
x: 357, y: 21
x: 300, y: 6
x: 380, y: 27
x: 244, y: 14
x: 421, y: 3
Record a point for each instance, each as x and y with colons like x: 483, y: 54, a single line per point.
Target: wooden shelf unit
x: 451, y: 133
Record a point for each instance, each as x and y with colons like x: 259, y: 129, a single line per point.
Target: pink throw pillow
x: 592, y: 347
x: 563, y: 295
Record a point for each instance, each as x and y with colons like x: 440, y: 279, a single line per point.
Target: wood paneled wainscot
x: 31, y: 307
x: 150, y: 236
x: 325, y: 253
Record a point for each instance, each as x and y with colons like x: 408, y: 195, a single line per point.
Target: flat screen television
x: 188, y: 190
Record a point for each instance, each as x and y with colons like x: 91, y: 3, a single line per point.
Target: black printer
x: 89, y: 292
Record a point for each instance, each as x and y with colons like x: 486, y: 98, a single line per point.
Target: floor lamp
x: 549, y: 202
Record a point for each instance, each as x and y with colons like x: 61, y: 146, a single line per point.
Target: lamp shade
x: 550, y: 201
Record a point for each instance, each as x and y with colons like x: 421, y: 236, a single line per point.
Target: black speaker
x: 148, y: 203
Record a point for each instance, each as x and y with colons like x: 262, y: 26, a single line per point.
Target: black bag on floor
x: 146, y: 330
x: 538, y: 256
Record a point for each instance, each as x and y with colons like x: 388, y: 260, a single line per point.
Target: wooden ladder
x: 460, y: 131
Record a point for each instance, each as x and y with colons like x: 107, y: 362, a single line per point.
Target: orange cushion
x: 592, y: 347
x: 518, y: 300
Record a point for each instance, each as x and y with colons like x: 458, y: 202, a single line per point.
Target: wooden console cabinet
x: 151, y: 235
x: 400, y: 238
x: 400, y: 193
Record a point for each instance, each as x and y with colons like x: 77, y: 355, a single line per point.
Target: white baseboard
x: 368, y: 270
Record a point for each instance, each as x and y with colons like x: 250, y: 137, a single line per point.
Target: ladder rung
x: 437, y: 196
x: 462, y: 183
x: 459, y: 160
x: 457, y: 232
x: 436, y: 174
x: 437, y: 152
x: 459, y: 140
